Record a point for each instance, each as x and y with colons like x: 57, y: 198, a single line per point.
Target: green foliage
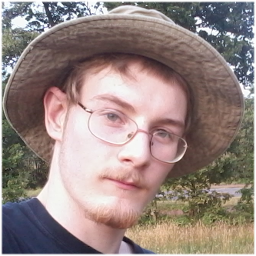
x: 14, y: 41
x: 245, y: 205
x: 14, y: 190
x: 43, y: 15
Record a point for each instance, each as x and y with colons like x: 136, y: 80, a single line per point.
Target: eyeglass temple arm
x: 84, y: 108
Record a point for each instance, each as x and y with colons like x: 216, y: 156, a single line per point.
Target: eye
x: 113, y: 117
x: 162, y: 134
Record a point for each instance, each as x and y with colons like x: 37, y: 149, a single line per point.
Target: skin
x: 97, y: 186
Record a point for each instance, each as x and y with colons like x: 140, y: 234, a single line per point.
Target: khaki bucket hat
x: 218, y: 108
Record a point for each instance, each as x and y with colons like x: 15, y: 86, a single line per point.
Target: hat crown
x: 135, y: 10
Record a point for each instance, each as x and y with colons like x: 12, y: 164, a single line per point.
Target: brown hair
x: 120, y: 63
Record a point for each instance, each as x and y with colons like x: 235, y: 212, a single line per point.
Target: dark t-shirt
x: 29, y: 228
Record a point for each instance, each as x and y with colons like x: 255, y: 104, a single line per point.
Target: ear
x: 55, y: 105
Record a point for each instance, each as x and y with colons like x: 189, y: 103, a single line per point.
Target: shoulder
x: 15, y: 223
x: 11, y: 210
x: 136, y: 248
x: 14, y: 211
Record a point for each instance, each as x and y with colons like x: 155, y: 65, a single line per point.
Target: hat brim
x: 217, y: 95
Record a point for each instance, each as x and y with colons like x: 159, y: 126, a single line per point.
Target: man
x: 116, y: 103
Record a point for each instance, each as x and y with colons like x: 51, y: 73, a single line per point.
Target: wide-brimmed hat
x: 218, y: 100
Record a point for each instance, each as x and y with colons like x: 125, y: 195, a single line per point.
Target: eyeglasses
x: 114, y: 127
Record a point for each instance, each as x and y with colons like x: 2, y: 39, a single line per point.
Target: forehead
x: 134, y: 74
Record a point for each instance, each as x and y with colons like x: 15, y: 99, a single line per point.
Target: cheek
x: 82, y: 154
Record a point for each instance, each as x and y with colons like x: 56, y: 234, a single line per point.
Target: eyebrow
x: 129, y: 107
x: 116, y: 100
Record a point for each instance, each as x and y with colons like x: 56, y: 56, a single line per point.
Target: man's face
x: 111, y: 184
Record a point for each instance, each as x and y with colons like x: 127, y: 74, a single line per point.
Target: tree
x: 14, y: 42
x: 43, y: 15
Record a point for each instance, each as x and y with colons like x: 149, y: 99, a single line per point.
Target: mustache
x: 125, y: 176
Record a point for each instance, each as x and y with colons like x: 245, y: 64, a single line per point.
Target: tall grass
x: 168, y: 238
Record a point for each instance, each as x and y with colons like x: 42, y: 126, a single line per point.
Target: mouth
x: 126, y: 185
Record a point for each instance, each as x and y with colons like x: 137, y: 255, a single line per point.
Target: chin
x: 118, y: 214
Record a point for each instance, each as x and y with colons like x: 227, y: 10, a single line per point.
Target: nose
x: 137, y: 151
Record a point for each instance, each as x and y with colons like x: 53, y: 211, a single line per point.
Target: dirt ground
x: 228, y: 186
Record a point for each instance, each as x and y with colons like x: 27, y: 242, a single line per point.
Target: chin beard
x: 115, y: 217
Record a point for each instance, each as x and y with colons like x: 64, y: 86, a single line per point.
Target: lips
x: 125, y: 184
x: 124, y: 179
